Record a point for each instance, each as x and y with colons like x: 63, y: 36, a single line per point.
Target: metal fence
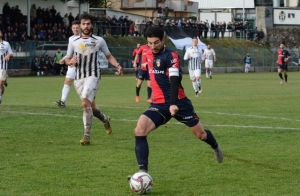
x: 24, y: 54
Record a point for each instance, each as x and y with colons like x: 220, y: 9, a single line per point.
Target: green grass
x: 255, y: 120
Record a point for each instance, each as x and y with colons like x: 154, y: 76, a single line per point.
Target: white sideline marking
x: 250, y: 115
x: 128, y: 120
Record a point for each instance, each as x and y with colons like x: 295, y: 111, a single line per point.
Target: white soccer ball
x: 141, y: 183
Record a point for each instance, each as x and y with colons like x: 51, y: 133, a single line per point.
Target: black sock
x: 137, y: 91
x: 285, y: 77
x: 142, y: 152
x: 280, y: 75
x: 211, y: 140
x: 149, y: 90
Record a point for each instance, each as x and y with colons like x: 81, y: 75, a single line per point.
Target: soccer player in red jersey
x: 133, y: 55
x: 142, y: 72
x: 168, y: 99
x: 282, y: 61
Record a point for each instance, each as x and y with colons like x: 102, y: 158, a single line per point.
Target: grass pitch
x: 255, y: 120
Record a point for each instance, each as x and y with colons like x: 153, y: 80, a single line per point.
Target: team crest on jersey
x: 158, y: 62
x: 81, y: 46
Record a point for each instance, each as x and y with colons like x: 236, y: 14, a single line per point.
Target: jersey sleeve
x: 9, y: 49
x: 70, y: 50
x: 213, y: 52
x: 186, y: 54
x: 104, y: 48
x: 173, y: 60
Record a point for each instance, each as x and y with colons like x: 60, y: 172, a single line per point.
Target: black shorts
x: 160, y: 114
x: 283, y: 67
x: 143, y: 74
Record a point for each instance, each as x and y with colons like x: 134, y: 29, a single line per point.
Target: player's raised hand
x: 173, y: 109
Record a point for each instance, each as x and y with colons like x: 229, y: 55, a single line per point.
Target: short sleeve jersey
x: 142, y: 52
x: 86, y: 50
x: 5, y: 49
x: 282, y: 54
x: 134, y: 54
x: 195, y: 57
x: 158, y: 68
x: 209, y: 54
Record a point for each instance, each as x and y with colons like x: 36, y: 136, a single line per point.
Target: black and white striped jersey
x: 86, y: 50
x: 5, y: 49
x: 195, y: 57
x: 209, y: 54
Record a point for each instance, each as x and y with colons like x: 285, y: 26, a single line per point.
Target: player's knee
x: 85, y: 103
x: 139, y: 131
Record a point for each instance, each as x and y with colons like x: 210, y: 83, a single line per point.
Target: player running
x: 82, y: 53
x: 210, y: 57
x: 5, y: 55
x: 142, y: 72
x: 169, y: 99
x: 137, y: 61
x: 70, y: 76
x: 282, y: 61
x: 195, y: 57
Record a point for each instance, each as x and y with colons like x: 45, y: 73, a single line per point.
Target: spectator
x: 71, y: 18
x: 66, y: 20
x: 53, y: 11
x: 137, y: 26
x: 35, y: 66
x: 77, y: 17
x: 43, y: 66
x: 49, y: 65
x: 159, y: 11
x: 39, y: 12
x: 20, y: 17
x: 166, y: 11
x: 6, y: 10
x: 57, y: 57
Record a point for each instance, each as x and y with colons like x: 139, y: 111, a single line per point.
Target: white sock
x: 210, y: 72
x: 199, y: 82
x: 195, y: 86
x: 87, y: 120
x: 206, y: 73
x: 38, y: 73
x: 65, y: 92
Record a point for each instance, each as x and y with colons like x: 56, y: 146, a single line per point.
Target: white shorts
x: 194, y: 73
x: 209, y: 63
x: 87, y: 87
x: 2, y: 74
x: 247, y: 65
x: 71, y: 73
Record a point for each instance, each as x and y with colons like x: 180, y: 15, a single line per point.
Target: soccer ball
x: 141, y: 183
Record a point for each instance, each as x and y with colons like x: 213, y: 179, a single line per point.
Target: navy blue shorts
x: 283, y: 67
x: 160, y: 114
x: 143, y: 74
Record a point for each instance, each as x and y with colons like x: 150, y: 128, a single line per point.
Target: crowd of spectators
x: 45, y: 25
x: 49, y: 25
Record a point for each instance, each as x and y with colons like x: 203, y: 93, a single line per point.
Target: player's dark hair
x: 86, y: 16
x: 155, y: 31
x: 75, y: 22
x: 282, y: 42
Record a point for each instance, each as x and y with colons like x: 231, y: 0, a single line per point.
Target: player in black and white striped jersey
x: 210, y: 57
x: 82, y: 53
x: 70, y: 76
x: 5, y: 54
x: 195, y: 57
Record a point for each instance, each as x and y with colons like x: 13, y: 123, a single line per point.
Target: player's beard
x: 86, y: 31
